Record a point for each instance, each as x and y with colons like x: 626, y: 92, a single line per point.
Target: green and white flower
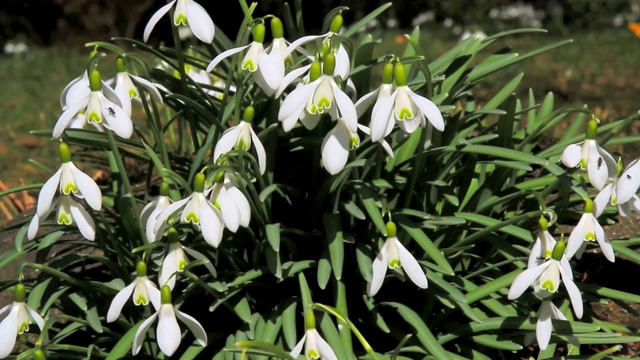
x: 168, y: 333
x: 176, y: 259
x: 15, y: 319
x: 588, y: 230
x: 378, y: 96
x: 150, y: 212
x: 394, y: 255
x: 544, y: 326
x: 315, y: 347
x: 242, y: 136
x: 69, y: 212
x: 621, y: 191
x: 542, y: 246
x: 233, y: 205
x: 126, y: 87
x: 336, y: 146
x: 186, y: 13
x: 142, y: 289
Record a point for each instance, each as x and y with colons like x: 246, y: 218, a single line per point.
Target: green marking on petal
x: 133, y: 93
x: 547, y: 254
x: 312, y: 354
x: 192, y: 218
x: 23, y: 327
x: 182, y: 264
x: 323, y: 103
x: 217, y: 204
x: 64, y: 219
x: 141, y: 300
x: 312, y: 109
x: 405, y: 114
x: 249, y: 65
x: 583, y: 164
x: 181, y: 19
x: 94, y: 118
x: 614, y: 201
x: 242, y: 145
x: 548, y: 285
x: 70, y: 188
x: 394, y: 263
x: 590, y: 236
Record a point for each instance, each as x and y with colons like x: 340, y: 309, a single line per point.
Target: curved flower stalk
x: 126, y: 87
x: 322, y: 94
x: 588, y: 229
x: 405, y: 108
x: 69, y: 213
x: 590, y: 156
x: 168, y: 332
x: 187, y: 13
x: 176, y: 259
x: 315, y: 347
x: 542, y: 246
x: 15, y: 319
x: 545, y: 279
x: 242, y: 136
x: 621, y: 191
x: 142, y: 289
x: 198, y: 211
x: 394, y: 255
x: 233, y: 205
x: 102, y: 105
x: 544, y: 326
x: 267, y: 69
x: 149, y: 214
x: 336, y: 146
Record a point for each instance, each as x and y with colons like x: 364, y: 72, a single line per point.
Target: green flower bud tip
x: 392, y: 231
x: 258, y: 33
x: 400, y: 74
x: 65, y: 154
x: 329, y: 64
x: 543, y: 223
x: 387, y: 73
x: 558, y: 250
x: 95, y: 82
x: 164, y: 189
x: 588, y: 206
x: 336, y: 24
x: 120, y: 65
x: 20, y: 293
x: 141, y: 269
x: 172, y: 234
x: 592, y: 129
x: 248, y: 114
x: 39, y: 355
x: 315, y: 71
x: 276, y: 28
x: 620, y: 166
x: 165, y: 295
x: 310, y: 320
x: 198, y: 183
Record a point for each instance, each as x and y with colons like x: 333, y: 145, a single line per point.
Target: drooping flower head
x: 336, y: 146
x: 15, y: 319
x: 621, y: 192
x: 542, y: 246
x: 231, y: 202
x: 142, y: 289
x: 150, y: 212
x: 126, y: 86
x: 187, y: 13
x: 588, y: 230
x: 378, y: 129
x: 175, y: 260
x: 242, y: 137
x: 315, y: 347
x: 544, y: 326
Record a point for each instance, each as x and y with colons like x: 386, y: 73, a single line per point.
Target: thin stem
x: 416, y: 169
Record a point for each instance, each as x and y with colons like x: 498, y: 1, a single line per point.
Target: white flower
x: 404, y: 107
x: 241, y: 136
x: 188, y: 13
x: 394, y: 255
x: 378, y: 130
x: 599, y: 164
x: 233, y: 205
x: 126, y: 87
x: 168, y: 332
x: 621, y: 192
x: 267, y: 69
x: 143, y: 290
x: 548, y: 312
x: 150, y: 212
x: 15, y: 319
x: 101, y: 105
x: 69, y: 213
x: 546, y: 279
x: 542, y: 246
x: 198, y: 211
x: 68, y: 180
x: 588, y: 229
x: 308, y: 102
x: 315, y: 347
x: 336, y: 146
x: 176, y: 259
x: 77, y: 89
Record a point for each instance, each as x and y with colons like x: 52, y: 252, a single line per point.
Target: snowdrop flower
x: 315, y: 347
x: 168, y: 332
x: 176, y: 259
x: 69, y: 213
x: 102, y: 104
x: 232, y: 203
x: 143, y: 290
x: 80, y: 122
x: 404, y: 107
x: 378, y: 129
x: 599, y: 164
x: 187, y: 13
x: 125, y: 87
x: 336, y: 146
x: 15, y: 319
x: 543, y: 246
x: 242, y: 136
x: 150, y: 213
x: 267, y: 69
x: 544, y: 326
x: 78, y: 88
x: 308, y: 102
x: 198, y: 211
x: 588, y: 229
x: 621, y: 191
x: 393, y: 255
x: 279, y: 45
x: 546, y: 278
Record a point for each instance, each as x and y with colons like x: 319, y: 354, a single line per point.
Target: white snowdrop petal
x: 326, y: 352
x: 628, y: 183
x: 229, y: 210
x: 605, y: 245
x: 525, y: 279
x: 296, y: 100
x: 89, y: 189
x: 200, y: 22
x: 571, y: 155
x: 290, y: 77
x: 346, y: 107
x: 149, y: 88
x: 118, y: 302
x: 8, y: 329
x: 411, y: 266
x: 223, y: 55
x: 602, y: 199
x: 168, y: 211
x: 262, y: 155
x: 576, y: 239
x: 47, y: 192
x: 335, y: 151
x: 227, y: 142
x: 84, y: 221
x: 295, y: 352
x: 428, y: 109
x: 366, y: 101
x: 194, y: 326
x: 544, y: 325
x: 116, y: 119
x: 213, y: 226
x: 271, y: 69
x: 68, y: 115
x: 574, y: 293
x: 380, y: 264
x: 380, y: 117
x: 168, y: 333
x: 243, y: 205
x: 154, y: 20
